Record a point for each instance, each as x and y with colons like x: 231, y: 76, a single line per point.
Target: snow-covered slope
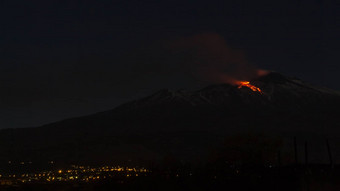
x: 278, y: 91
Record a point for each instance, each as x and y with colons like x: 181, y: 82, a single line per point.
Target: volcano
x: 188, y: 125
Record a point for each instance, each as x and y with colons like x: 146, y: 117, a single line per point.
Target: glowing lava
x: 248, y: 85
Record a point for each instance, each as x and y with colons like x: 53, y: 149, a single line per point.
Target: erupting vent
x: 248, y: 85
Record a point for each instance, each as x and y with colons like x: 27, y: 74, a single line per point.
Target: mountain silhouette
x: 188, y: 125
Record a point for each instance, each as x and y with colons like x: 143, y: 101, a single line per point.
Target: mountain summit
x: 276, y: 91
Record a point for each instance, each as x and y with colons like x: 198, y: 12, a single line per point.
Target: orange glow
x: 248, y: 85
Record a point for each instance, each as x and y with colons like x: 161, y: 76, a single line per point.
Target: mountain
x: 188, y: 125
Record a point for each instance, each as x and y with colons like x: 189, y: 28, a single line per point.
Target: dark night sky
x: 61, y: 59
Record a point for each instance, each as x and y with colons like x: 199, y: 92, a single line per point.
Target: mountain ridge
x: 185, y: 123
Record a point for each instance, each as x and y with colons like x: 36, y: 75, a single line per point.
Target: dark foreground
x: 291, y: 178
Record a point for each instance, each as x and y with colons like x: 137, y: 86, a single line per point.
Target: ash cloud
x: 203, y: 59
x: 209, y: 58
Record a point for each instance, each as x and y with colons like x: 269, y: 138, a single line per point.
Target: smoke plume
x: 208, y: 57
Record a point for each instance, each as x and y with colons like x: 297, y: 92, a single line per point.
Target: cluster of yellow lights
x: 77, y: 173
x: 248, y: 85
